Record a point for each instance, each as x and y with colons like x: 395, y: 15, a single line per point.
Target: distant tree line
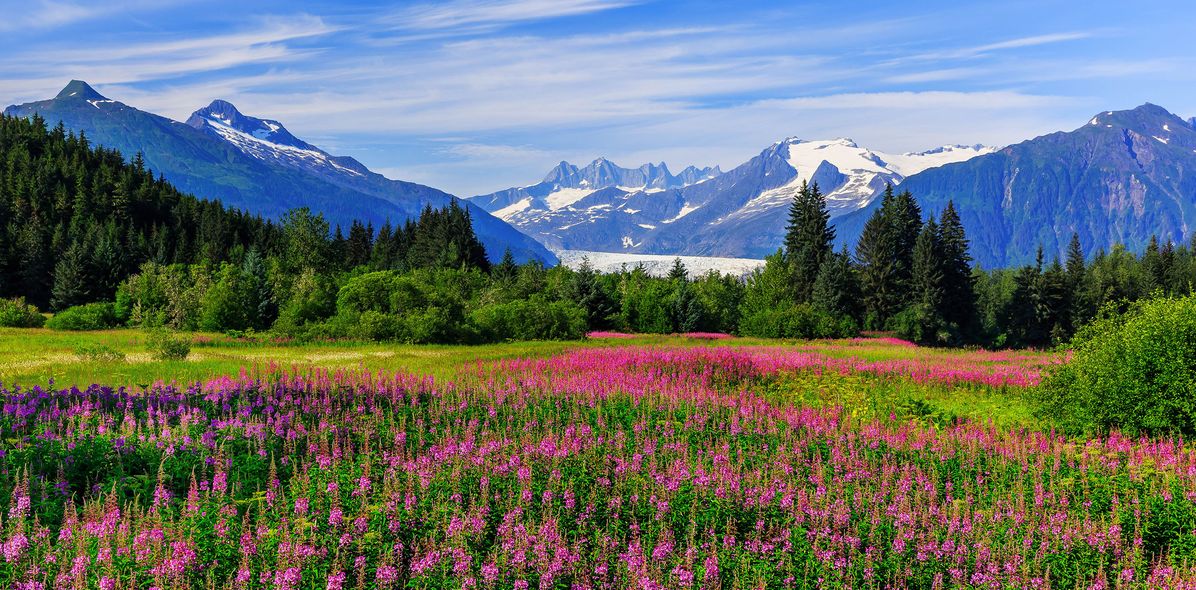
x: 912, y: 275
x: 102, y: 242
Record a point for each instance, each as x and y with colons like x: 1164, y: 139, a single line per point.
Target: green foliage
x: 837, y: 288
x: 922, y: 321
x: 164, y: 345
x: 1135, y: 371
x: 645, y: 303
x: 808, y: 239
x: 101, y: 353
x: 590, y: 292
x: 801, y: 320
x: 91, y: 316
x: 719, y: 296
x: 532, y: 319
x: 885, y: 252
x: 15, y: 313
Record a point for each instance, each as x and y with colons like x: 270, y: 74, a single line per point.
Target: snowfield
x: 658, y: 265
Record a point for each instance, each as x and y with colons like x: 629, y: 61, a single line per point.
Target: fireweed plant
x: 598, y: 468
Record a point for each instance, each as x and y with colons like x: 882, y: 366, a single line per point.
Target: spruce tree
x: 837, y: 288
x: 905, y: 223
x: 879, y: 274
x: 1055, y: 303
x: 1023, y: 314
x: 506, y: 268
x: 1079, y: 310
x: 928, y: 288
x: 588, y: 292
x: 808, y: 239
x: 359, y: 245
x: 678, y: 272
x: 72, y: 285
x: 959, y: 306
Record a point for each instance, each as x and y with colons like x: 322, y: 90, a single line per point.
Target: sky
x: 473, y: 96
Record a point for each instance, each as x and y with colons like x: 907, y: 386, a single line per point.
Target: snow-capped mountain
x: 266, y: 139
x: 741, y: 213
x: 566, y: 185
x: 257, y: 165
x: 1120, y: 178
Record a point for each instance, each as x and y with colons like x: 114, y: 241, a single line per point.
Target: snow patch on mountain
x: 265, y: 149
x: 602, y: 207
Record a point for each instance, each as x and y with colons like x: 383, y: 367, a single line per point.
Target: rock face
x: 1122, y: 177
x: 258, y: 166
x: 702, y: 212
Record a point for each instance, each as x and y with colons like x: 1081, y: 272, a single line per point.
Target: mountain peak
x: 79, y: 90
x: 221, y: 113
x: 1144, y: 118
x: 220, y: 106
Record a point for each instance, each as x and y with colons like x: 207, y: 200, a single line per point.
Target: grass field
x: 36, y: 356
x: 33, y: 356
x: 648, y: 462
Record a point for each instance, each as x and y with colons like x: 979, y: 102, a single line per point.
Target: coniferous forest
x: 101, y: 242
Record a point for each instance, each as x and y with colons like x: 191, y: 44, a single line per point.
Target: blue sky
x: 472, y: 96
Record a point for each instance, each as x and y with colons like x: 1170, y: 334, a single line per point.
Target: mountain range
x: 704, y: 212
x: 1119, y: 179
x: 1122, y: 177
x: 258, y: 166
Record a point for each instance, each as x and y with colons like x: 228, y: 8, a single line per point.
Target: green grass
x: 35, y: 356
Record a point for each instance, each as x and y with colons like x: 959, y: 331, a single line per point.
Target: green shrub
x: 1134, y: 371
x: 166, y: 346
x: 91, y: 316
x: 99, y: 353
x: 530, y: 320
x: 15, y: 313
x: 796, y: 321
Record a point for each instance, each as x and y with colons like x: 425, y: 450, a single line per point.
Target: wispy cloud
x: 470, y: 95
x: 156, y: 59
x: 34, y: 15
x: 46, y: 14
x: 494, y: 13
x: 1031, y: 41
x: 976, y: 51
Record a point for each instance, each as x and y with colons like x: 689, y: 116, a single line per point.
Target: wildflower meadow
x: 622, y: 467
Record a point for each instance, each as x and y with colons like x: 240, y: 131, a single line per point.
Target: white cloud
x: 490, y: 13
x: 157, y: 60
x: 25, y: 15
x: 1032, y: 41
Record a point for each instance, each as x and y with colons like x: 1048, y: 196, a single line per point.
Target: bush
x: 15, y: 313
x: 165, y: 346
x: 92, y: 316
x: 1134, y: 371
x: 796, y: 321
x: 99, y: 353
x: 530, y: 320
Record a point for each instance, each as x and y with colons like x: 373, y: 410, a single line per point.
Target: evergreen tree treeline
x: 78, y: 224
x: 77, y: 220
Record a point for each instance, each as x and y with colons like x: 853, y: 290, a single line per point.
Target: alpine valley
x: 258, y: 166
x: 703, y: 212
x: 1121, y: 178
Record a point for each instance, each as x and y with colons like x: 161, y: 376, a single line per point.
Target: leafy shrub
x: 15, y: 313
x: 530, y: 320
x: 100, y: 353
x: 1134, y: 371
x: 166, y: 346
x: 91, y: 316
x: 796, y: 321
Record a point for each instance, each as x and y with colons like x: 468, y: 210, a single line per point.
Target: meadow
x: 658, y: 462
